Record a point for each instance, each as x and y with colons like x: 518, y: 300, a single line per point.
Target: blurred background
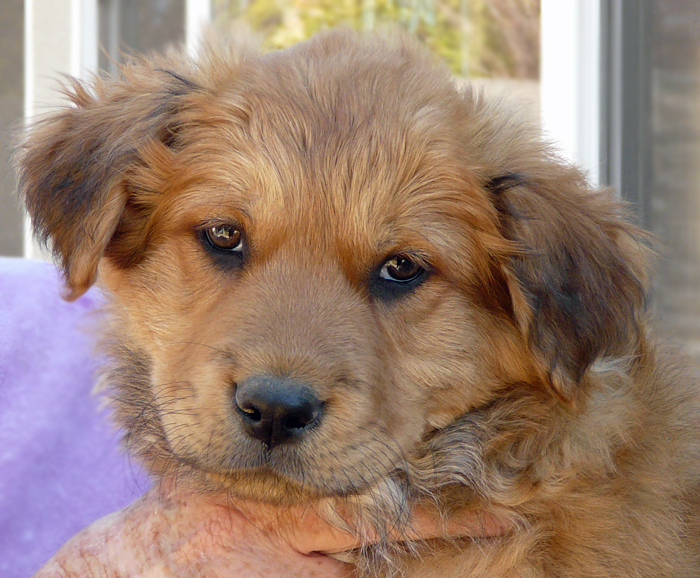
x: 614, y: 83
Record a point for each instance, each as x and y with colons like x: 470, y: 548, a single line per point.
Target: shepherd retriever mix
x: 335, y: 275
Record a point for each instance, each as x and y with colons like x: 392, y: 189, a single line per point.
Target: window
x: 620, y: 86
x: 137, y: 26
x: 476, y: 38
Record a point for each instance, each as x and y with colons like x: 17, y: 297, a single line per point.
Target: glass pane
x: 495, y: 42
x: 127, y: 26
x: 675, y: 197
x: 495, y: 38
x: 11, y: 110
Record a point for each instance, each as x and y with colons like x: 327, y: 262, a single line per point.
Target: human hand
x: 186, y: 535
x: 176, y: 532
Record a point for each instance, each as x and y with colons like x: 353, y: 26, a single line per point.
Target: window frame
x: 594, y: 92
x: 625, y: 101
x: 570, y: 80
x: 60, y: 37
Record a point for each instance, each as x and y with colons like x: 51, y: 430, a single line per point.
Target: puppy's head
x: 320, y: 256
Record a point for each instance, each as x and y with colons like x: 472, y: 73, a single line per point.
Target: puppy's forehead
x: 348, y: 145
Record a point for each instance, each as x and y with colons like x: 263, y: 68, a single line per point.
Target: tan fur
x: 520, y: 378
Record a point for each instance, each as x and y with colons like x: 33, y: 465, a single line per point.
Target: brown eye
x: 225, y: 238
x: 400, y: 269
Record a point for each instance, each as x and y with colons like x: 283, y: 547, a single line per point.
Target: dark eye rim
x: 391, y: 289
x: 205, y: 234
x: 227, y: 259
x: 411, y: 259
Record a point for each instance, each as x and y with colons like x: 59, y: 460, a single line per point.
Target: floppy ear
x: 578, y: 275
x: 73, y: 165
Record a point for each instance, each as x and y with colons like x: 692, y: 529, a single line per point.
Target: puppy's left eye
x: 399, y: 275
x: 400, y: 269
x: 225, y: 238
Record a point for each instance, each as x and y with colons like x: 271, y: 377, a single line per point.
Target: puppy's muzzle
x: 276, y: 410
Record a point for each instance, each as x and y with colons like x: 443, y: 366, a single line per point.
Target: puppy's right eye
x: 225, y: 238
x: 225, y: 243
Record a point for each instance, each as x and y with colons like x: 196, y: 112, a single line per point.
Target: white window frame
x: 198, y: 14
x: 60, y: 37
x: 570, y: 80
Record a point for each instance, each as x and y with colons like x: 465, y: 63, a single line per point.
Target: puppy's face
x: 314, y: 270
x: 316, y: 258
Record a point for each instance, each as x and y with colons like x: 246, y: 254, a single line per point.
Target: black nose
x: 276, y: 409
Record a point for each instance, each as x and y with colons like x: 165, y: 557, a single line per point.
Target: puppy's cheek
x: 193, y: 402
x: 438, y: 357
x: 448, y: 377
x: 450, y: 353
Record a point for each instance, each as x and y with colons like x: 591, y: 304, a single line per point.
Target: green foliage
x: 464, y: 33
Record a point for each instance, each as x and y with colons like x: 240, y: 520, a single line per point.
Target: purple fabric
x: 60, y: 466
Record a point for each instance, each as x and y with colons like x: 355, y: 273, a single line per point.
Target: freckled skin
x: 172, y: 531
x: 190, y: 536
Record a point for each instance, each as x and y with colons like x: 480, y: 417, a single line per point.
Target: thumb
x: 311, y: 533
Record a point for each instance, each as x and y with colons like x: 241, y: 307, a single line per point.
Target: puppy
x: 337, y: 278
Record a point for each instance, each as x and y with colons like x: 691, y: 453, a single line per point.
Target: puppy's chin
x: 264, y: 484
x: 279, y: 479
x: 291, y: 472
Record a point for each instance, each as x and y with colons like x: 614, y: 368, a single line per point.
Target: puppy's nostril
x: 302, y: 416
x: 275, y: 410
x: 251, y: 412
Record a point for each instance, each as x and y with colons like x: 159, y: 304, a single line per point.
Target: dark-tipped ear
x: 72, y: 165
x: 578, y: 275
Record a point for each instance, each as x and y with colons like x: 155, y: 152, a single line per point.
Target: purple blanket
x: 60, y: 467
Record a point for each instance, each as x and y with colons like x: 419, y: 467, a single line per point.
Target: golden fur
x: 518, y: 378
